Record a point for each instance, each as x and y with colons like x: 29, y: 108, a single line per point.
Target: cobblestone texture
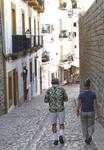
x: 28, y: 128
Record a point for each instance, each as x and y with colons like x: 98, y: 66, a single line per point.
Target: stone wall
x: 2, y: 108
x: 91, y: 35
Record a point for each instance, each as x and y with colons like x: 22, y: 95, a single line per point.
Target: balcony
x: 67, y: 58
x: 22, y: 45
x: 45, y: 56
x: 38, y: 41
x: 47, y: 28
x: 37, y: 5
x: 63, y: 34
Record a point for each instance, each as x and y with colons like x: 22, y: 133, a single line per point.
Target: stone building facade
x: 2, y: 108
x: 91, y: 26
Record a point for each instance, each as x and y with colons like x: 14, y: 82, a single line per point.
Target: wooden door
x: 30, y: 24
x: 35, y: 68
x: 15, y: 84
x: 34, y: 26
x: 10, y: 89
x: 13, y: 19
x: 30, y: 71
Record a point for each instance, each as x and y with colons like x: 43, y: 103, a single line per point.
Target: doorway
x: 15, y: 85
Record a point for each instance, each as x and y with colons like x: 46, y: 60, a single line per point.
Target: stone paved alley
x: 27, y: 127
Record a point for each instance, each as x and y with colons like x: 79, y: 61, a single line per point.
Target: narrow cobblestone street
x: 27, y: 127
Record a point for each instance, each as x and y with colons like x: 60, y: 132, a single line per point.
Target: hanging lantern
x: 24, y: 73
x: 28, y: 33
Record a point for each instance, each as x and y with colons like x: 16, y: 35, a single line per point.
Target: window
x: 13, y: 19
x: 74, y: 24
x: 10, y: 88
x: 74, y: 34
x: 75, y: 46
x: 74, y: 3
x: 52, y: 75
x: 35, y: 67
x: 34, y: 26
x: 61, y: 53
x: 30, y: 71
x: 30, y: 23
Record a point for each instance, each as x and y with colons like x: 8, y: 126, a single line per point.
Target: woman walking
x: 87, y: 105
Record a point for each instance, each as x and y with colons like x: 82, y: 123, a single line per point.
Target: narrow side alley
x: 27, y: 127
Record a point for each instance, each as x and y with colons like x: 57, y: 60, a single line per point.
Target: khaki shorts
x: 88, y: 122
x: 57, y: 116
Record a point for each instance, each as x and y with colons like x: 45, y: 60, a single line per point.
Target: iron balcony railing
x: 21, y: 43
x: 63, y: 34
x: 38, y: 41
x: 67, y: 57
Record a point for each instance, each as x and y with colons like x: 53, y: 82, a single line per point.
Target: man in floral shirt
x: 56, y: 96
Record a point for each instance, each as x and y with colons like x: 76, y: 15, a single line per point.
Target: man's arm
x: 78, y: 106
x: 46, y: 98
x: 96, y: 108
x: 65, y: 97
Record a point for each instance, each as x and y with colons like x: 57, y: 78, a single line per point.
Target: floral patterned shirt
x: 56, y: 96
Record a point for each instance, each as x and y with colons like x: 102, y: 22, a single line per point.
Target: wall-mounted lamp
x: 24, y: 73
x: 28, y: 33
x: 36, y: 56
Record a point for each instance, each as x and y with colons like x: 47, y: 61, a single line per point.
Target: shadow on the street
x: 92, y: 146
x: 57, y: 147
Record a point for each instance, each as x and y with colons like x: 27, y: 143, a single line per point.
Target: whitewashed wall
x: 10, y: 65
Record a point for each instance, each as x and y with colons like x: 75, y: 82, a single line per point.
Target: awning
x: 65, y: 65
